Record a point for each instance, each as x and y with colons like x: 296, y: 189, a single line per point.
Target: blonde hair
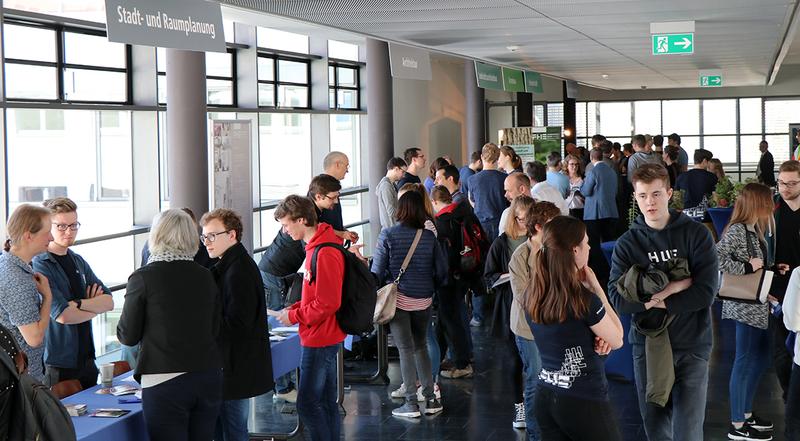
x: 490, y: 152
x: 419, y: 188
x: 520, y: 203
x: 753, y: 207
x: 718, y: 169
x: 25, y: 219
x: 173, y: 231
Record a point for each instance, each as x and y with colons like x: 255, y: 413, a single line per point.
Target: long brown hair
x: 556, y: 291
x: 753, y: 206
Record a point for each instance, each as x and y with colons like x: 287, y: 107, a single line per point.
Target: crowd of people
x: 497, y: 241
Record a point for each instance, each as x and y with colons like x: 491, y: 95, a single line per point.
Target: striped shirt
x: 413, y: 304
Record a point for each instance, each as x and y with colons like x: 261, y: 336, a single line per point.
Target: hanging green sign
x: 710, y: 80
x: 489, y: 76
x: 513, y: 80
x: 667, y: 44
x: 533, y: 82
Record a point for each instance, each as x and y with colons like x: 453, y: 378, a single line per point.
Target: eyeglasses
x: 790, y: 184
x: 211, y: 237
x: 572, y: 164
x: 333, y: 198
x: 64, y: 227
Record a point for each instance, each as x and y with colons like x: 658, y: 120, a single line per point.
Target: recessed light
x: 512, y: 48
x: 605, y: 76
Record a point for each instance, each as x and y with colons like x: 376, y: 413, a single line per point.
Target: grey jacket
x: 387, y: 202
x: 519, y: 268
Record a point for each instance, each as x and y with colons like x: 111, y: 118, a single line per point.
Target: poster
x: 532, y: 143
x: 794, y: 141
x: 231, y: 181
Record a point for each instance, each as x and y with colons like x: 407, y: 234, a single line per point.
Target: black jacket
x: 173, y: 309
x: 496, y: 265
x: 448, y: 231
x: 682, y: 237
x: 284, y: 256
x: 765, y: 172
x: 244, y: 338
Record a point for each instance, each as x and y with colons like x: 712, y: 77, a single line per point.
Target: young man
x: 600, y: 213
x: 320, y: 334
x: 683, y: 157
x: 449, y: 176
x: 475, y: 165
x: 387, y: 192
x: 554, y: 176
x: 336, y: 165
x: 78, y: 297
x: 656, y: 237
x: 541, y: 190
x: 765, y: 172
x: 640, y: 156
x: 244, y: 339
x: 516, y: 184
x: 697, y: 182
x: 324, y: 191
x: 416, y: 165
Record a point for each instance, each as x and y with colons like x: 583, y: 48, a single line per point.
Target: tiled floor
x: 481, y: 408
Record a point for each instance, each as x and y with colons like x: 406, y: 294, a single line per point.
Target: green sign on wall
x: 513, y: 80
x: 489, y: 76
x: 667, y: 44
x: 710, y: 80
x: 533, y: 82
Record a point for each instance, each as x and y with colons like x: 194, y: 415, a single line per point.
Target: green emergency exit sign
x: 668, y: 44
x: 710, y: 80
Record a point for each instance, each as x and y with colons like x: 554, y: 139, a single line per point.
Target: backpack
x: 36, y: 413
x: 359, y: 292
x: 474, y: 247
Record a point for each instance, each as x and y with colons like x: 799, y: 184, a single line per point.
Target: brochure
x: 110, y: 413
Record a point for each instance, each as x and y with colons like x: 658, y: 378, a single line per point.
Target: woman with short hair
x: 172, y: 307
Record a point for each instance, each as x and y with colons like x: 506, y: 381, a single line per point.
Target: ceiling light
x: 512, y: 48
x: 605, y: 76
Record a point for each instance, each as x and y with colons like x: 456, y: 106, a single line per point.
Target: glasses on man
x: 332, y: 197
x: 211, y: 237
x: 789, y: 184
x: 64, y: 227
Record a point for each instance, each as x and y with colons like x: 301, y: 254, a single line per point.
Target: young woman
x: 575, y: 200
x: 566, y: 309
x: 715, y: 166
x: 509, y: 161
x: 670, y: 157
x: 496, y: 268
x: 426, y: 271
x: 746, y: 246
x: 25, y: 296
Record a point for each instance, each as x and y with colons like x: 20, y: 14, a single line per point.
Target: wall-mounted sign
x: 409, y: 62
x: 513, y: 80
x: 533, y: 82
x: 194, y: 25
x: 668, y: 44
x: 489, y: 76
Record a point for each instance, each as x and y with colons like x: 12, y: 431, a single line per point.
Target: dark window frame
x: 336, y: 87
x: 234, y: 74
x: 276, y: 81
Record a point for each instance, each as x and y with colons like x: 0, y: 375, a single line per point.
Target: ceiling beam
x: 786, y: 44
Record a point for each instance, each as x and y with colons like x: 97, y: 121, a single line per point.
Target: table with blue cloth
x: 285, y: 359
x: 620, y: 361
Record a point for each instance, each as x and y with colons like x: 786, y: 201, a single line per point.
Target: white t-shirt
x: 543, y: 191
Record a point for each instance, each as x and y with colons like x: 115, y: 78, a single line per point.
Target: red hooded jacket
x: 316, y: 311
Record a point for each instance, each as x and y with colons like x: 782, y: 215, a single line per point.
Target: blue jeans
x: 682, y: 418
x: 232, y: 421
x: 317, y: 394
x: 752, y: 358
x: 531, y: 365
x: 434, y: 351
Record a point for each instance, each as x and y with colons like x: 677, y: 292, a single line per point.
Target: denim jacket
x: 61, y: 348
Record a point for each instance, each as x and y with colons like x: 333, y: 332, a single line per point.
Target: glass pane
x: 277, y: 131
x: 32, y: 82
x: 580, y: 120
x: 71, y: 153
x: 647, y: 115
x: 94, y: 85
x: 555, y: 114
x: 347, y: 77
x: 348, y: 99
x: 219, y: 64
x: 93, y: 50
x: 779, y: 146
x: 345, y: 138
x: 266, y: 94
x: 29, y: 43
x: 292, y: 96
x: 343, y: 51
x: 351, y: 208
x: 331, y: 75
x: 723, y: 148
x: 269, y: 227
x: 750, y: 115
x: 292, y: 71
x: 591, y: 120
x: 90, y: 10
x: 750, y: 153
x: 690, y: 144
x: 229, y: 29
x: 719, y: 117
x: 285, y: 41
x: 615, y: 119
x: 332, y: 98
x: 162, y: 89
x: 538, y: 115
x: 681, y: 117
x: 219, y: 92
x: 266, y: 69
x: 779, y: 114
x: 161, y: 59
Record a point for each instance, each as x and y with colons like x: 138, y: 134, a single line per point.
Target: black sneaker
x: 746, y: 433
x: 759, y: 423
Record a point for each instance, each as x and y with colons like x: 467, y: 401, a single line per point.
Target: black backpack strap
x: 339, y: 247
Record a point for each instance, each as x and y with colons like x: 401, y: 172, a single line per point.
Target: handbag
x: 747, y: 288
x: 386, y: 302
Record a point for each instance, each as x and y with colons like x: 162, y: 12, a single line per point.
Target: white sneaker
x: 519, y: 416
x: 290, y: 396
x: 400, y: 392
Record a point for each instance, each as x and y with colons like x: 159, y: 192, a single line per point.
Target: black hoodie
x: 682, y: 237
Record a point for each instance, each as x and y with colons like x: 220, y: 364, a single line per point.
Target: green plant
x: 633, y: 210
x: 676, y: 202
x: 726, y: 192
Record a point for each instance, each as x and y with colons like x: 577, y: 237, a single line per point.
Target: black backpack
x: 36, y: 413
x: 359, y: 292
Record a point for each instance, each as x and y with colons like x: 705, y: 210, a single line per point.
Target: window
x: 283, y: 82
x: 750, y: 115
x: 342, y: 51
x: 648, y: 117
x: 681, y: 117
x: 345, y: 138
x: 538, y: 115
x: 89, y: 10
x: 91, y: 68
x: 220, y: 77
x: 282, y: 174
x: 615, y: 119
x: 719, y: 117
x: 281, y: 40
x: 555, y: 114
x: 344, y: 83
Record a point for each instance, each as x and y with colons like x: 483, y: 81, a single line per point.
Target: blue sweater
x: 427, y: 269
x: 486, y: 190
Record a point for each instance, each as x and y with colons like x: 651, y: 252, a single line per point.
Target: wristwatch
x: 78, y: 303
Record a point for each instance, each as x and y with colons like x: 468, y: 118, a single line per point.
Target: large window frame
x: 276, y: 82
x: 334, y: 85
x: 232, y: 79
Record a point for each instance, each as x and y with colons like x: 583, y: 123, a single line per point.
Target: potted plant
x: 722, y: 201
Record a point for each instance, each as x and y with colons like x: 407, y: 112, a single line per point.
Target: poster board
x: 532, y: 143
x: 231, y: 181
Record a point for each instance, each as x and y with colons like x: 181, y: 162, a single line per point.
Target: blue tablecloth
x: 619, y: 362
x: 285, y: 359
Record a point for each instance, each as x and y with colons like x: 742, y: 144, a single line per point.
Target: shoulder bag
x: 386, y: 303
x: 747, y: 288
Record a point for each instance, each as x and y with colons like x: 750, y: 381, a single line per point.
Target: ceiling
x: 580, y: 40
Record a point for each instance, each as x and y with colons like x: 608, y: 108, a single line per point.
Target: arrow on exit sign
x: 667, y: 44
x: 710, y: 80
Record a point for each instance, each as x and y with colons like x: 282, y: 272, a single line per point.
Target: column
x: 380, y: 139
x: 475, y: 111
